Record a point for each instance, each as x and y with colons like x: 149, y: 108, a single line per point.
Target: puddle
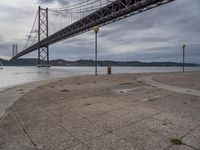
x: 19, y: 90
x: 64, y: 90
x: 125, y: 83
x: 126, y: 90
x: 154, y: 98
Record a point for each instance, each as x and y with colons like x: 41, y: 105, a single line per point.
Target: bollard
x: 109, y: 70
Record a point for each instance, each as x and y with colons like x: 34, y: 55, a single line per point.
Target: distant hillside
x: 61, y: 62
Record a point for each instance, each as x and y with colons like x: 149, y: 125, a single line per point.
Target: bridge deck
x: 115, y: 11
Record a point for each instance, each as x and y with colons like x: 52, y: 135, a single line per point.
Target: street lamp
x: 183, y: 46
x: 96, y: 30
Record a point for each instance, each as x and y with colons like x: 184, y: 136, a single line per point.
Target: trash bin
x: 109, y: 70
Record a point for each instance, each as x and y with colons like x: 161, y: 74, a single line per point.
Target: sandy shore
x: 151, y: 111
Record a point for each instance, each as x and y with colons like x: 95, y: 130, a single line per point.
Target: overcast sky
x: 155, y: 35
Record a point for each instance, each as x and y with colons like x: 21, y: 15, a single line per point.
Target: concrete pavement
x: 95, y: 113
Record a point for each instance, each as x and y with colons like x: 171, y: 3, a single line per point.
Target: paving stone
x: 78, y: 147
x: 107, y: 122
x: 54, y: 136
x: 129, y: 131
x: 28, y: 116
x: 127, y: 115
x: 89, y: 109
x: 178, y: 120
x: 180, y: 147
x: 19, y: 148
x: 193, y: 139
x: 15, y: 141
x: 141, y: 138
x: 65, y: 118
x: 47, y: 144
x: 102, y: 141
x: 163, y: 128
x: 12, y: 134
x: 60, y: 137
x: 109, y: 142
x: 143, y: 109
x: 83, y: 129
x: 120, y: 145
x: 38, y: 129
x: 57, y: 139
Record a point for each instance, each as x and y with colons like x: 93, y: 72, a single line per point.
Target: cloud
x: 5, y: 57
x: 61, y: 2
x: 154, y: 35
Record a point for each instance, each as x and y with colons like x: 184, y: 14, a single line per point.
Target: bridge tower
x: 43, y: 32
x: 14, y: 50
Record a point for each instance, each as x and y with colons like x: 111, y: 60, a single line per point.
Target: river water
x: 12, y: 76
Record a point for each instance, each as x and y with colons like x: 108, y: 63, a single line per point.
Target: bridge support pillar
x: 14, y: 50
x: 43, y: 57
x: 43, y: 32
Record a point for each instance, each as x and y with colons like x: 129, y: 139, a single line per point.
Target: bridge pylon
x: 14, y: 50
x: 43, y: 32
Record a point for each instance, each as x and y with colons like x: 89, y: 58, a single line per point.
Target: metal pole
x: 39, y: 35
x: 183, y: 58
x: 16, y: 50
x: 95, y: 53
x: 47, y: 24
x: 13, y: 50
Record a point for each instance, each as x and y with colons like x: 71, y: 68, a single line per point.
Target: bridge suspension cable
x: 76, y: 6
x: 31, y: 39
x: 62, y: 17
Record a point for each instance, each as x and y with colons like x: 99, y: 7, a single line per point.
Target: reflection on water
x: 10, y: 76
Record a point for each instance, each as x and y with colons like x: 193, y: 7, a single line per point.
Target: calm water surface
x: 11, y: 76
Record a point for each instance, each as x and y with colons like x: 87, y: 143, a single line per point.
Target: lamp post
x: 96, y: 30
x: 183, y: 46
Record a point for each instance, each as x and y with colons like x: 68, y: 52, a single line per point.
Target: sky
x: 154, y: 35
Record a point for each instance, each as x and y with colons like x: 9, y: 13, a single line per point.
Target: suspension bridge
x: 77, y: 19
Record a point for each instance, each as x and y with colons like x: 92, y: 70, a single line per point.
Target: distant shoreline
x: 89, y: 63
x: 117, y: 66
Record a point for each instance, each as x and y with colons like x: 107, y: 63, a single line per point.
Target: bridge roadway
x: 115, y: 11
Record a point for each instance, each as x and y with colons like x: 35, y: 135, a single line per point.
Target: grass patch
x: 20, y: 90
x: 88, y: 104
x: 64, y: 90
x: 194, y: 100
x: 125, y: 83
x: 140, y: 82
x: 176, y: 141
